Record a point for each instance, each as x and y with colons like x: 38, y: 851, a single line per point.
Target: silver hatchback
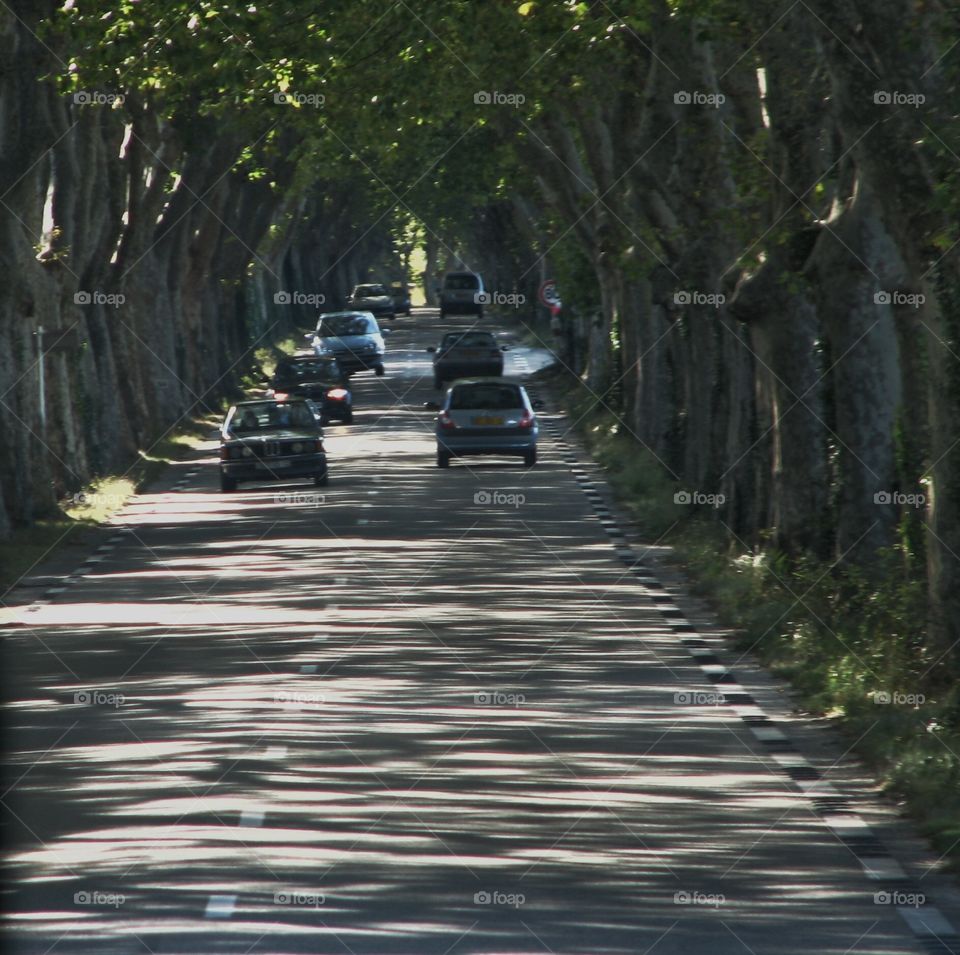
x: 487, y: 416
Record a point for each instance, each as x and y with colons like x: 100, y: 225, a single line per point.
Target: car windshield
x: 487, y: 396
x: 338, y: 325
x: 319, y: 369
x: 370, y: 290
x: 461, y: 280
x: 468, y: 340
x: 272, y: 416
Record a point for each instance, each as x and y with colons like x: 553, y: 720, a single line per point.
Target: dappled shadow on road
x: 407, y: 713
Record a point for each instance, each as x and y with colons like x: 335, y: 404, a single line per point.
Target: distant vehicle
x: 401, y: 298
x: 320, y: 379
x: 374, y: 298
x: 461, y: 293
x: 487, y: 416
x: 271, y: 440
x: 353, y: 338
x: 464, y: 354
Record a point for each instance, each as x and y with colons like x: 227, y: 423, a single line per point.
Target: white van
x: 461, y: 293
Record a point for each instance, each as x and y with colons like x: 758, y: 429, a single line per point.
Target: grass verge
x: 853, y: 647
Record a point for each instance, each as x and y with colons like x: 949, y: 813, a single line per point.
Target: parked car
x: 487, y: 416
x: 461, y: 293
x: 353, y: 338
x: 320, y: 379
x: 374, y: 298
x: 401, y: 298
x: 270, y: 440
x: 466, y: 354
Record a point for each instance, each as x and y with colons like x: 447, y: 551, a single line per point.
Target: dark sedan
x: 466, y: 354
x: 271, y: 440
x: 373, y: 298
x: 320, y: 379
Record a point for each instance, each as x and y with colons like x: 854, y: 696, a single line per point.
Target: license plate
x: 487, y: 421
x: 273, y: 465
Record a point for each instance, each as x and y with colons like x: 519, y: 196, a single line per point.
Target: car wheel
x: 321, y: 480
x: 479, y: 314
x: 378, y: 371
x: 443, y: 314
x: 443, y: 459
x: 227, y: 484
x: 438, y: 383
x: 348, y: 417
x: 530, y: 459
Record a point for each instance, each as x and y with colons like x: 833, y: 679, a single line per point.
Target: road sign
x: 549, y: 295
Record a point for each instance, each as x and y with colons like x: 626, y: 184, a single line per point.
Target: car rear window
x: 370, y: 290
x: 469, y: 340
x: 493, y: 396
x: 319, y: 370
x: 345, y: 325
x: 461, y: 280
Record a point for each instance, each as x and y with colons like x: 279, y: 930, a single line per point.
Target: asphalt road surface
x: 418, y: 711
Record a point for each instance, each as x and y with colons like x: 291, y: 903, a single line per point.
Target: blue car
x: 487, y: 416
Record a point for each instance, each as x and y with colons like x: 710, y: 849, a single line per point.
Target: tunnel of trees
x: 751, y: 210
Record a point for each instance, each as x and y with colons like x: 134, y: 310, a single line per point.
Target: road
x: 417, y: 711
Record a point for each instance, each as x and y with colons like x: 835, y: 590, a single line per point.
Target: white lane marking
x: 106, y: 547
x: 846, y: 823
x: 308, y: 668
x: 362, y: 520
x: 252, y: 818
x: 881, y: 870
x: 276, y: 752
x: 220, y: 906
x: 768, y: 734
x: 54, y: 590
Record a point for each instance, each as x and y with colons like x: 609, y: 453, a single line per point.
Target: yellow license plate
x: 487, y: 421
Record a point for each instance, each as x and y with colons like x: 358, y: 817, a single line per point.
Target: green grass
x: 850, y: 639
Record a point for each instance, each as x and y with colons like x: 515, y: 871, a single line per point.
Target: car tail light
x: 319, y: 447
x: 281, y: 395
x: 337, y: 394
x: 224, y: 453
x: 446, y: 422
x: 526, y: 420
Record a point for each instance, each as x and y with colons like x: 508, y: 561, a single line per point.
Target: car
x: 461, y: 293
x: 270, y: 440
x: 487, y: 416
x: 374, y: 298
x: 466, y: 354
x: 353, y: 338
x: 401, y: 298
x: 320, y: 379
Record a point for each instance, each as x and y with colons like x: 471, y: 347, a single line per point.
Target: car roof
x: 348, y: 314
x: 487, y: 380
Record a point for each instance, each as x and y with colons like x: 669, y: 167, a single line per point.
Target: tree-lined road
x: 417, y: 711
